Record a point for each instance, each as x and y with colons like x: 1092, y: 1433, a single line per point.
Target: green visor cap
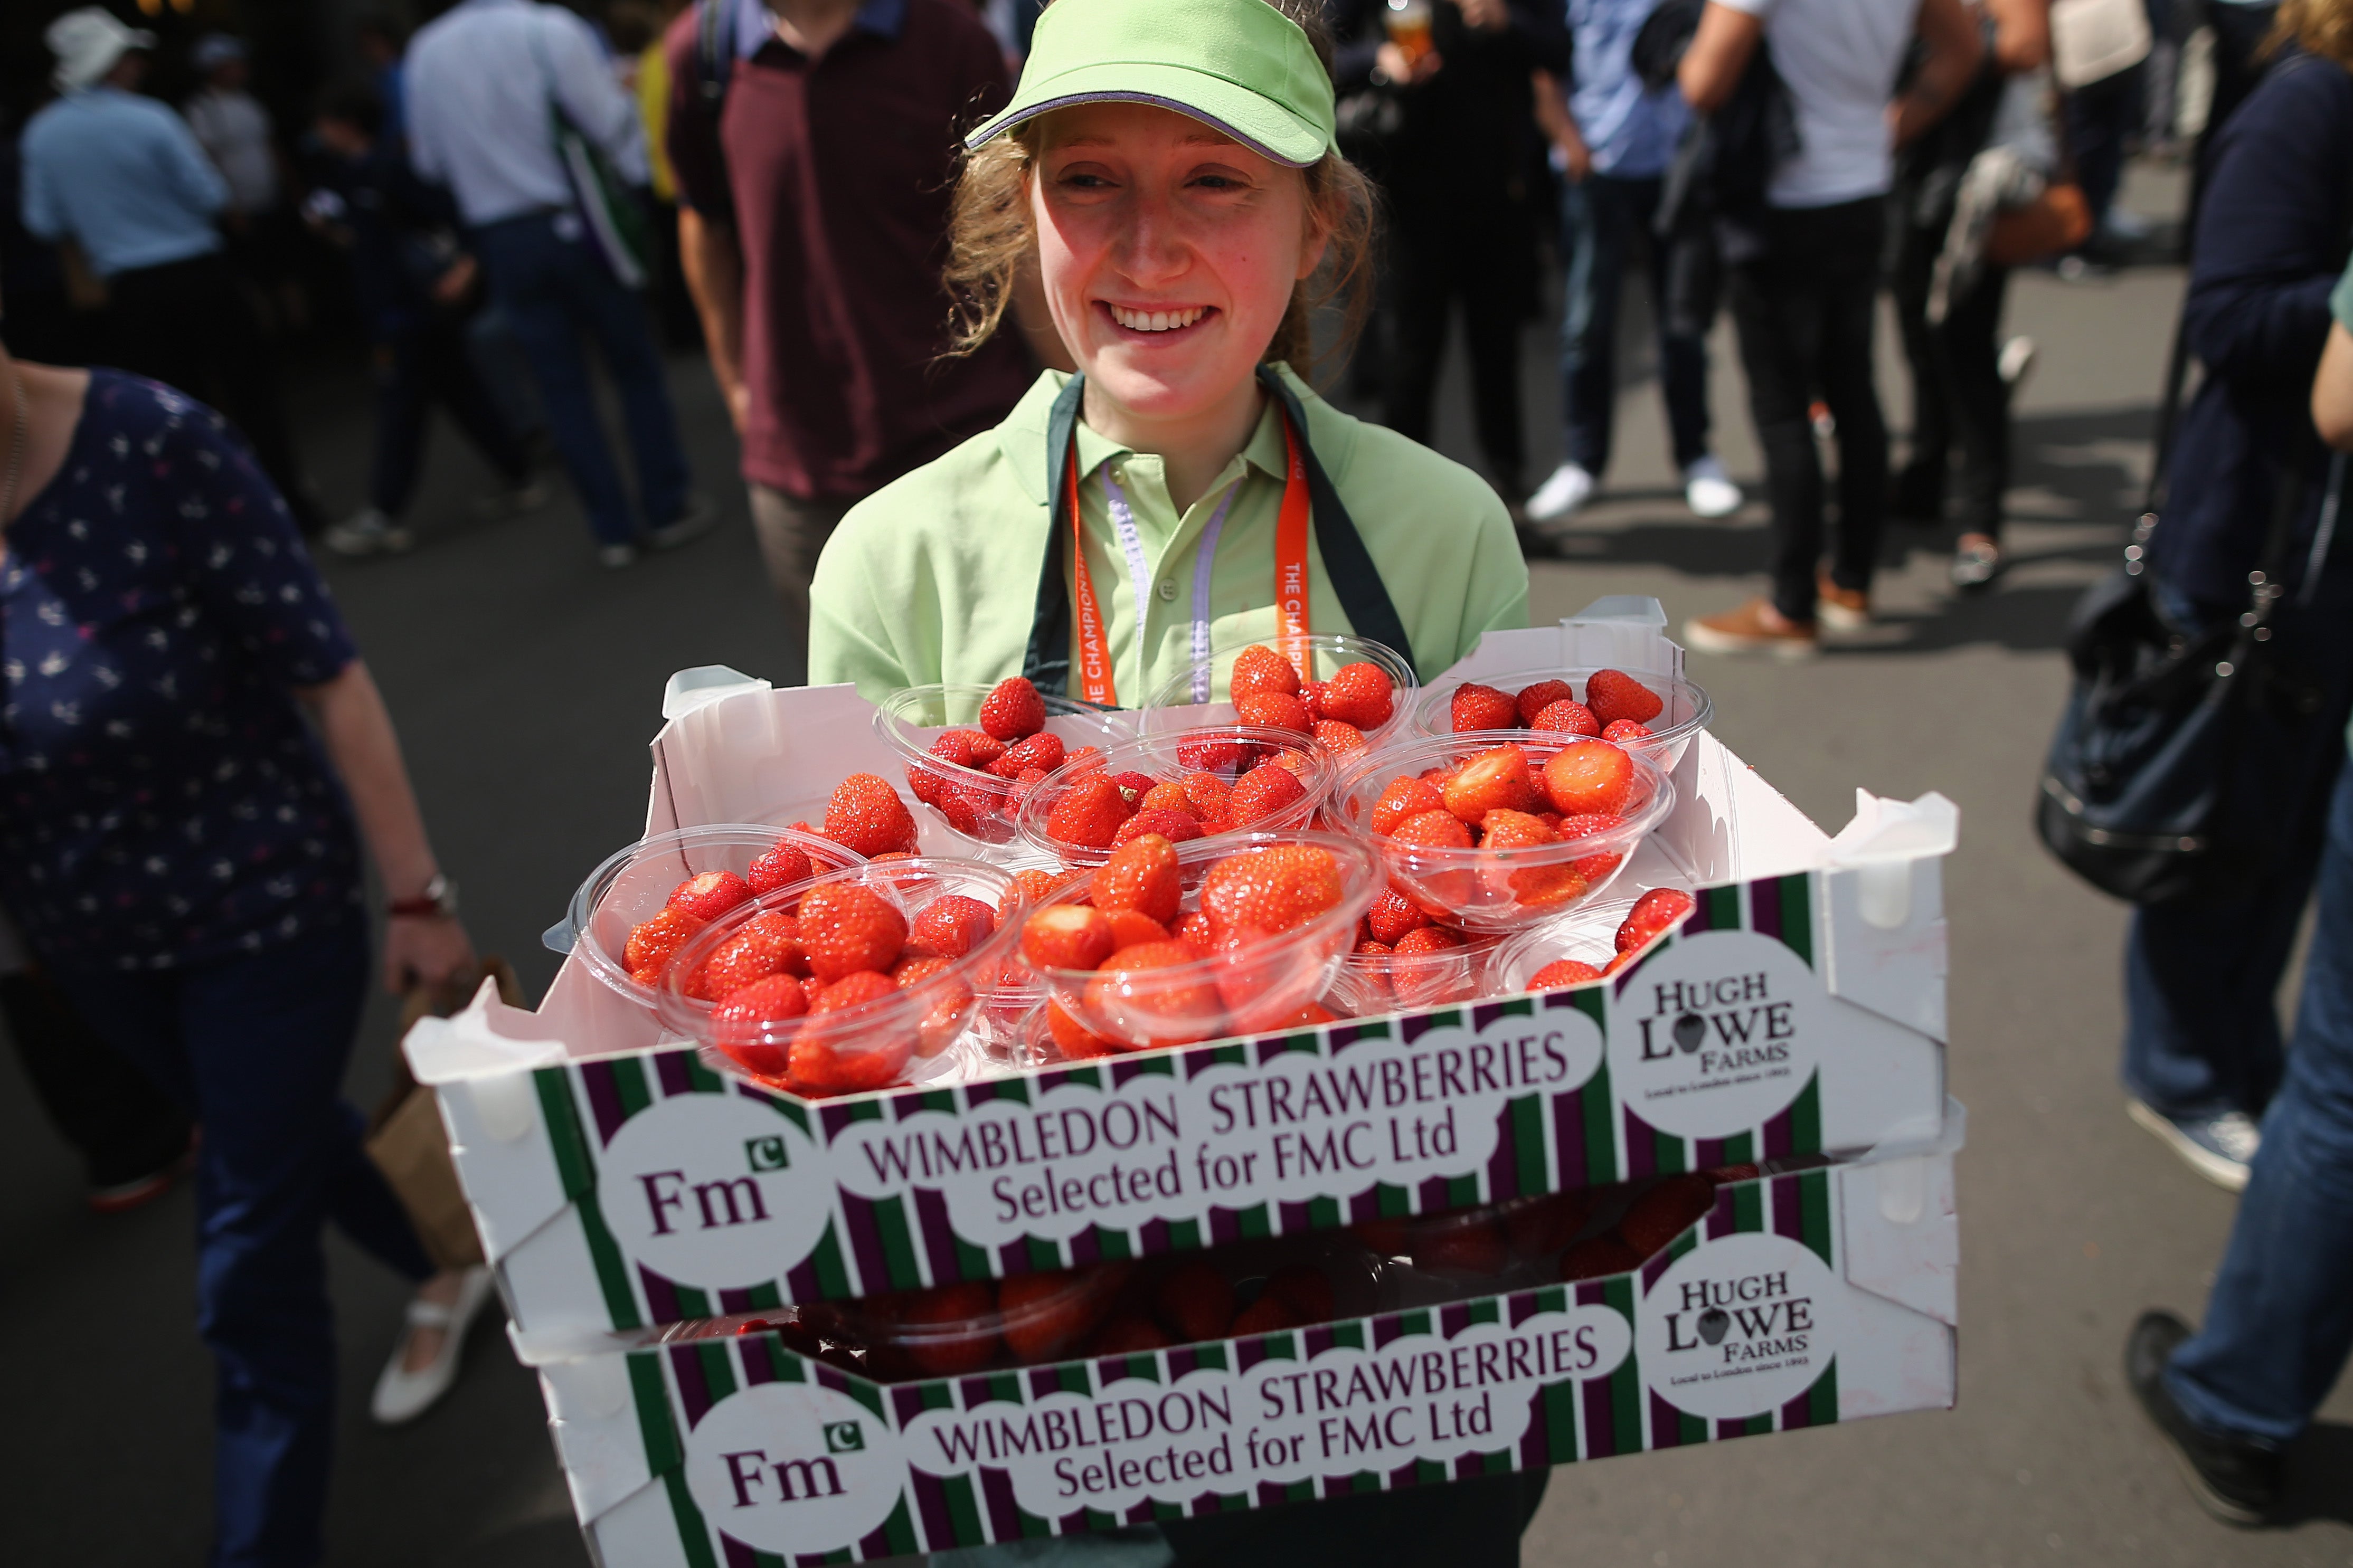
x: 1239, y: 65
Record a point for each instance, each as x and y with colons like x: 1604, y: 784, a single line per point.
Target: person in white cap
x: 121, y: 176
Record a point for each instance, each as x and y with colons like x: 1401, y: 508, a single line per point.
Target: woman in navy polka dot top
x: 191, y: 754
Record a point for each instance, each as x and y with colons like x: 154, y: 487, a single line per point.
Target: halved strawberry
x: 779, y: 866
x: 1066, y: 936
x: 710, y: 895
x: 1476, y: 707
x: 1565, y: 718
x: 1495, y: 778
x: 1660, y: 909
x: 1589, y: 776
x: 1274, y: 709
x: 1361, y: 694
x: 1014, y: 711
x: 1258, y: 671
x: 1271, y: 890
x: 1534, y: 699
x: 1262, y: 793
x: 846, y: 928
x: 1613, y: 694
x: 1405, y: 797
x: 1562, y: 974
x: 1089, y: 813
x: 953, y: 925
x: 1141, y: 875
x: 866, y: 814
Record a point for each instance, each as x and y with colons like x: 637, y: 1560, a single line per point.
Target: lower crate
x: 1799, y: 1299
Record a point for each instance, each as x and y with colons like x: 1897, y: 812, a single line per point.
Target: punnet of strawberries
x: 1167, y: 944
x: 1613, y: 705
x: 1656, y: 912
x: 1363, y: 693
x: 977, y: 775
x: 1183, y: 785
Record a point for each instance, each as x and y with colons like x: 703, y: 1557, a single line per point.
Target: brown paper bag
x: 405, y: 1139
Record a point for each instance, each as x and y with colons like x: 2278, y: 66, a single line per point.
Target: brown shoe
x: 1841, y: 609
x: 1751, y: 628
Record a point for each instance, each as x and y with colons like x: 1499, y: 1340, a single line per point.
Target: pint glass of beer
x: 1408, y: 25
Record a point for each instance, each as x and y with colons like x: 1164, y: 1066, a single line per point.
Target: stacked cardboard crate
x: 623, y: 1188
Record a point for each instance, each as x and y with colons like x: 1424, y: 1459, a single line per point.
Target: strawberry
x: 1066, y: 936
x: 1044, y: 1314
x: 866, y: 814
x: 966, y: 749
x: 1013, y: 712
x: 1128, y: 1336
x: 1369, y: 949
x: 1195, y: 1301
x: 1262, y: 793
x: 1476, y: 707
x: 1024, y: 782
x: 1270, y: 891
x: 811, y: 987
x: 1141, y: 875
x: 1167, y: 795
x: 1598, y: 1259
x: 1032, y: 888
x: 1311, y: 698
x: 1259, y: 670
x: 953, y: 925
x: 1083, y: 759
x: 1134, y: 928
x: 1386, y: 1235
x: 960, y: 811
x: 1134, y: 785
x: 1565, y: 718
x: 1361, y: 694
x: 910, y: 973
x: 1176, y: 826
x: 1427, y: 940
x: 707, y: 897
x: 1562, y: 974
x: 1304, y: 1291
x: 1072, y: 1039
x: 750, y: 1025
x: 1498, y: 777
x: 1391, y: 916
x: 1273, y: 709
x: 1433, y: 830
x: 1474, y: 1246
x: 1195, y: 930
x: 1592, y: 868
x: 846, y: 928
x: 1545, y: 1224
x: 962, y: 1316
x: 1405, y: 797
x: 779, y: 866
x: 1665, y: 1212
x: 1219, y: 755
x: 1338, y: 738
x: 1589, y: 776
x: 1551, y: 883
x: 653, y: 943
x: 1042, y: 751
x: 926, y: 785
x: 1305, y: 1017
x: 1298, y: 763
x: 1534, y: 699
x: 1211, y: 797
x: 1514, y: 830
x: 1089, y: 813
x: 1621, y: 960
x: 1155, y: 1008
x: 1267, y: 1315
x: 1613, y: 694
x: 1660, y: 909
x: 1617, y: 731
x: 853, y: 991
x: 768, y: 943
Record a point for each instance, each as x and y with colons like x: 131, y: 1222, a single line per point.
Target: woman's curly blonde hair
x: 991, y: 238
x: 2322, y: 28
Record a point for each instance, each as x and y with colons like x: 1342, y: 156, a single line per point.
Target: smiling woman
x: 1167, y: 172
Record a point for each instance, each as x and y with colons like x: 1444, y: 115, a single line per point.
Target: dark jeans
x: 254, y: 1047
x: 1804, y: 310
x: 189, y: 325
x: 552, y: 289
x: 1600, y: 219
x: 425, y: 364
x: 792, y: 535
x: 1435, y: 259
x: 122, y: 1124
x: 1959, y: 398
x: 2279, y: 1324
x: 2201, y: 1024
x: 2099, y: 114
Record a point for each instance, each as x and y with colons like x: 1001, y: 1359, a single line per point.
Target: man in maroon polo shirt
x: 813, y: 226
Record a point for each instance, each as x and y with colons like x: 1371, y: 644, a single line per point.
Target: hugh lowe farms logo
x: 1740, y: 1325
x: 1717, y: 1033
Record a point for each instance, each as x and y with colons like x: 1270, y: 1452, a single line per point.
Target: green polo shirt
x: 934, y: 577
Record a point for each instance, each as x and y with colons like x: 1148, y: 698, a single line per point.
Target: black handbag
x: 2137, y: 790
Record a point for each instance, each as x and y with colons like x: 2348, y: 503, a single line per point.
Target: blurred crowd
x: 506, y: 201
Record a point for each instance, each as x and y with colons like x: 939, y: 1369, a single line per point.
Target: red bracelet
x: 439, y: 897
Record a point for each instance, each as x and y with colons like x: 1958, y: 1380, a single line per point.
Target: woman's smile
x: 1149, y: 320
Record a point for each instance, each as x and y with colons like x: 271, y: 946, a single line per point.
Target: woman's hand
x: 1392, y: 63
x: 425, y: 950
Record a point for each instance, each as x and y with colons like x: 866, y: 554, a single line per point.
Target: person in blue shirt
x: 122, y: 178
x: 1612, y: 140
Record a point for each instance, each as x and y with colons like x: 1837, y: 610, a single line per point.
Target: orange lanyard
x: 1088, y: 631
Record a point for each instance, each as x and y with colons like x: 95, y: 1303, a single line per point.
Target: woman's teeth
x: 1157, y: 320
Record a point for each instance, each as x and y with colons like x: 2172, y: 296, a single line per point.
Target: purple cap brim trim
x: 991, y: 132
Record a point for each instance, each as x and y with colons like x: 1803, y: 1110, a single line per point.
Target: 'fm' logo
x: 759, y: 1479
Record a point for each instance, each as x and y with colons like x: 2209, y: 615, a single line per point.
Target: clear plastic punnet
x: 1685, y: 709
x: 980, y: 807
x: 1198, y: 694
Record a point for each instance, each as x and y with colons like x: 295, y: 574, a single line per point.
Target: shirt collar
x: 755, y: 28
x: 1022, y: 437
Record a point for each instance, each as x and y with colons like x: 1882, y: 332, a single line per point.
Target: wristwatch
x: 439, y: 897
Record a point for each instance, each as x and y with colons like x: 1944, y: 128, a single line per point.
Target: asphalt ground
x: 526, y: 681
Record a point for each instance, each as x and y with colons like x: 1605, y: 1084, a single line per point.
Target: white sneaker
x: 2016, y: 363
x: 404, y: 1395
x: 368, y: 532
x: 2222, y: 1150
x: 614, y: 557
x: 1557, y: 499
x: 1708, y: 490
x: 693, y: 520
